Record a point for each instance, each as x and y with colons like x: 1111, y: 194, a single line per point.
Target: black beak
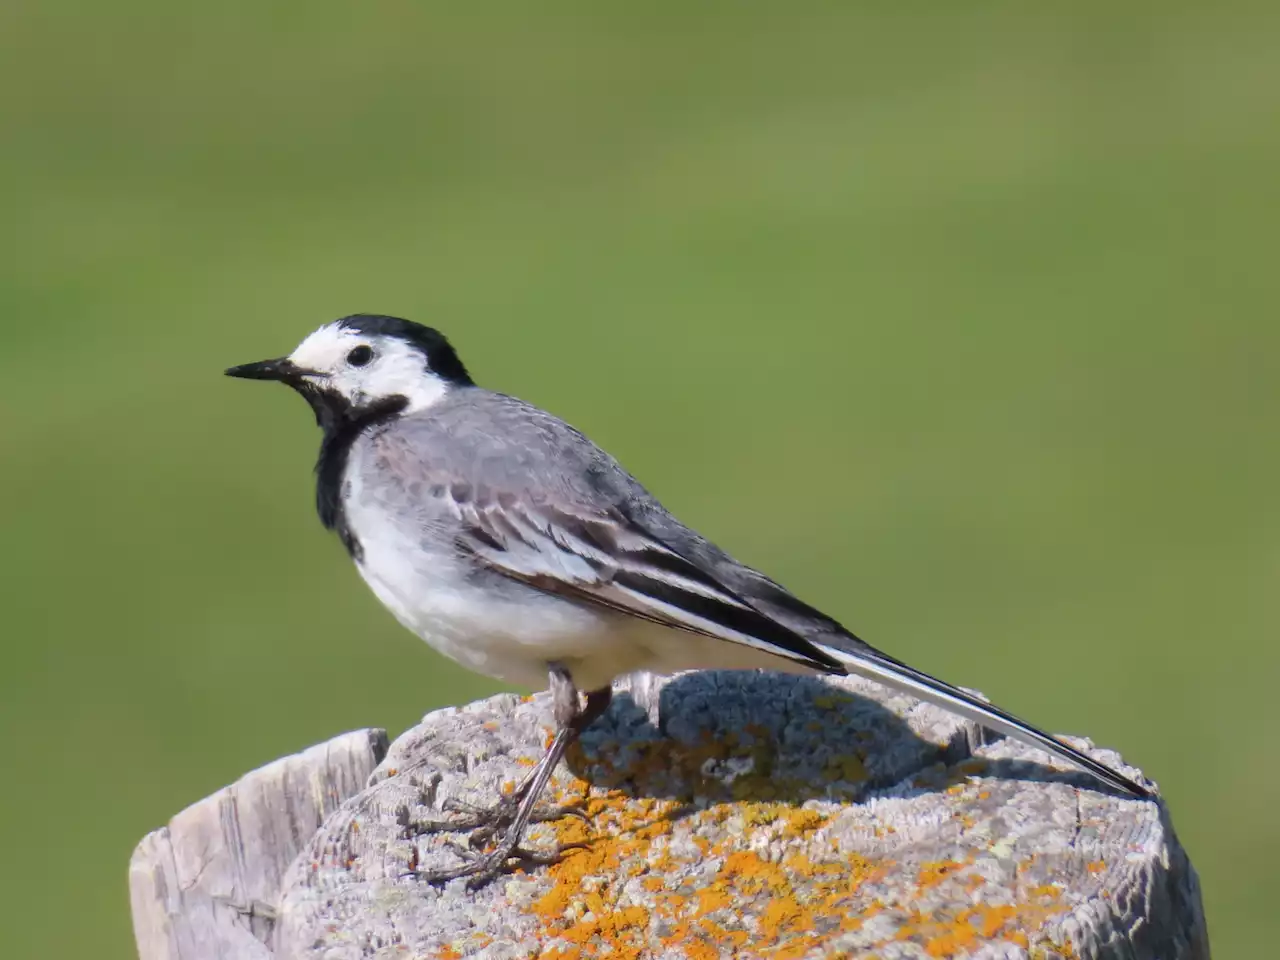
x: 283, y: 369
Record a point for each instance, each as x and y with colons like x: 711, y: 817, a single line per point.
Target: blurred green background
x: 990, y: 293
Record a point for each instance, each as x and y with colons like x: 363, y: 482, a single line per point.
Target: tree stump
x: 720, y: 814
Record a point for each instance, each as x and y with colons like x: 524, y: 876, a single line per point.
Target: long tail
x: 874, y: 665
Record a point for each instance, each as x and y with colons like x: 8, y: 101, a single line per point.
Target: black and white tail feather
x: 613, y: 559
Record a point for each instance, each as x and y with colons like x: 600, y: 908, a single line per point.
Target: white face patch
x: 396, y: 368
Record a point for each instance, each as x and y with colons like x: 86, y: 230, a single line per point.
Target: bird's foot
x: 481, y: 869
x: 484, y: 822
x: 471, y: 816
x: 488, y: 821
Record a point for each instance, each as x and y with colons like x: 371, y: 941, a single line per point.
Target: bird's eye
x: 359, y: 356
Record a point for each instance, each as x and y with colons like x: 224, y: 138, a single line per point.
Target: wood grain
x: 207, y: 885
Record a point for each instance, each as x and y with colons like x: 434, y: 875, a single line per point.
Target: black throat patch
x: 342, y: 424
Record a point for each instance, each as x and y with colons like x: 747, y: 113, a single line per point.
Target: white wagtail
x: 510, y: 542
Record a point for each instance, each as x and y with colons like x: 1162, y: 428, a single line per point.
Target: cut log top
x: 723, y: 814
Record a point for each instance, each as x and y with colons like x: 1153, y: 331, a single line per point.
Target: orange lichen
x: 934, y: 872
x: 988, y: 921
x: 951, y: 936
x: 749, y: 901
x: 1047, y: 892
x: 745, y: 868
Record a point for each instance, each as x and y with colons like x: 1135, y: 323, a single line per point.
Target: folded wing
x: 604, y: 559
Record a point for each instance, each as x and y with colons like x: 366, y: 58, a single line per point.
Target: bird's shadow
x: 723, y: 736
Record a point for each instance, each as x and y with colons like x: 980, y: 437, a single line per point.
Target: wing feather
x: 604, y: 559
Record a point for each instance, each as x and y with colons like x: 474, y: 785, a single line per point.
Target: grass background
x: 960, y: 322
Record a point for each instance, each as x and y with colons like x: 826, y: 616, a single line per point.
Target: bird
x: 510, y: 542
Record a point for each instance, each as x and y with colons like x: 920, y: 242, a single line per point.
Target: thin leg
x: 484, y: 821
x: 572, y: 718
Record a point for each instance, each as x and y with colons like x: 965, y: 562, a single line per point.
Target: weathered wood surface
x: 206, y: 886
x: 748, y: 815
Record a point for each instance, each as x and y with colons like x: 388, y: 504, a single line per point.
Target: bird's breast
x: 480, y: 618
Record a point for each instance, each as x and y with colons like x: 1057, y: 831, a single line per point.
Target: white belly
x: 497, y: 627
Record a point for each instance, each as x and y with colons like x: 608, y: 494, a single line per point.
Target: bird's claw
x: 482, y: 869
x: 472, y: 817
x: 483, y: 833
x: 484, y: 822
x: 505, y: 808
